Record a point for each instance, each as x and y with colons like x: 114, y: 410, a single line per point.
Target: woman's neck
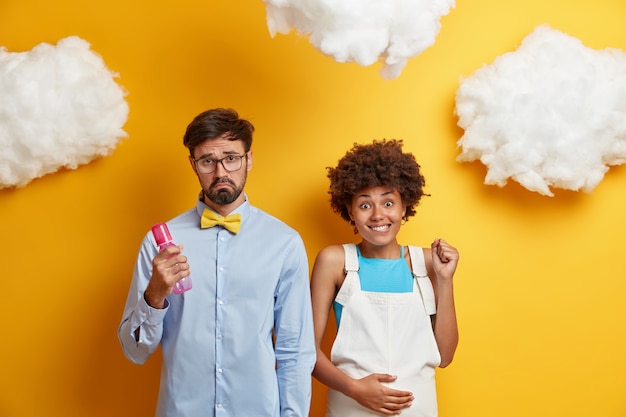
x: 391, y: 250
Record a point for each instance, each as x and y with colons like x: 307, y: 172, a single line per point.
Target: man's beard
x: 223, y: 196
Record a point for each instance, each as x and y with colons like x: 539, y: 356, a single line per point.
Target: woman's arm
x: 441, y: 265
x: 326, y: 278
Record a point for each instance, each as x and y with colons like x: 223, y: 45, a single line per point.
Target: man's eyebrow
x: 212, y: 155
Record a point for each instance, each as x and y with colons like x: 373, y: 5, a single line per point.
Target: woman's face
x: 377, y: 213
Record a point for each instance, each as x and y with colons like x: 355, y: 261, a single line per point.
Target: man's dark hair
x: 215, y: 123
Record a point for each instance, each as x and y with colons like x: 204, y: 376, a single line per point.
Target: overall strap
x: 352, y: 259
x: 421, y: 278
x: 351, y: 268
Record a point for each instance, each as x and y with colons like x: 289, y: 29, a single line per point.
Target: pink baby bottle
x: 163, y: 239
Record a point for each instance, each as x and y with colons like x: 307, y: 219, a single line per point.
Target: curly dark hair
x: 381, y: 163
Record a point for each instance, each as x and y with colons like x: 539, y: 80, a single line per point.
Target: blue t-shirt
x: 381, y: 275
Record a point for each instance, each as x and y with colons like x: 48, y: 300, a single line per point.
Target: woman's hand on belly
x: 371, y: 393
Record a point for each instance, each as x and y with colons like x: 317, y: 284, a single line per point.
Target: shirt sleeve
x: 142, y: 326
x: 295, y: 343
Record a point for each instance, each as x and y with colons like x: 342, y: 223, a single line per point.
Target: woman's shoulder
x: 331, y: 259
x: 427, y: 255
x: 329, y: 266
x: 428, y: 261
x: 332, y: 254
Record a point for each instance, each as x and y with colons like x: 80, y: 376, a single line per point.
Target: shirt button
x: 220, y: 302
x: 219, y: 371
x: 219, y: 405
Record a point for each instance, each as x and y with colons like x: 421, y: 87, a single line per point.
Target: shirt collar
x: 243, y: 209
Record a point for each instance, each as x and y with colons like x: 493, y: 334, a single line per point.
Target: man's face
x: 222, y: 188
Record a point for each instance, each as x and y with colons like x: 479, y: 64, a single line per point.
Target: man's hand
x: 168, y: 267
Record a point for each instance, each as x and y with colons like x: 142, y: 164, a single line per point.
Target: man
x: 240, y: 341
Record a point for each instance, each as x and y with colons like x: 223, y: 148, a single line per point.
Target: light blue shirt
x: 219, y: 358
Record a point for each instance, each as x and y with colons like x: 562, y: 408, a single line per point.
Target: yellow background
x: 540, y: 287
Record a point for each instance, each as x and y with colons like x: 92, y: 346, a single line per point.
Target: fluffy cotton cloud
x: 362, y: 31
x: 59, y: 107
x: 551, y: 114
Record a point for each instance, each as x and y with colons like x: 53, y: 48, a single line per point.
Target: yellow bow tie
x: 232, y: 222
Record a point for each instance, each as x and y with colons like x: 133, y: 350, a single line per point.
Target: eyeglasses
x: 208, y: 165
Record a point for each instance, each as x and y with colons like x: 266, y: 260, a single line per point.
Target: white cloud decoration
x: 362, y: 31
x: 551, y: 114
x: 59, y: 107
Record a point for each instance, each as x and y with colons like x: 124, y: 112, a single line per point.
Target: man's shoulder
x: 184, y: 219
x: 185, y: 215
x: 265, y: 219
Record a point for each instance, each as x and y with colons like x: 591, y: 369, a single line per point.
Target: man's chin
x: 222, y: 197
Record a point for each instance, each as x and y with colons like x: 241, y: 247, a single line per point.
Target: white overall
x: 387, y: 333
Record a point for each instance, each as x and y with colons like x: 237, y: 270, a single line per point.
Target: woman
x: 394, y: 305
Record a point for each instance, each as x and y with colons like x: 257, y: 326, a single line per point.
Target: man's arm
x: 295, y: 345
x: 142, y: 325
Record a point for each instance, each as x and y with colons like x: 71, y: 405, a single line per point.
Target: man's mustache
x: 220, y: 180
